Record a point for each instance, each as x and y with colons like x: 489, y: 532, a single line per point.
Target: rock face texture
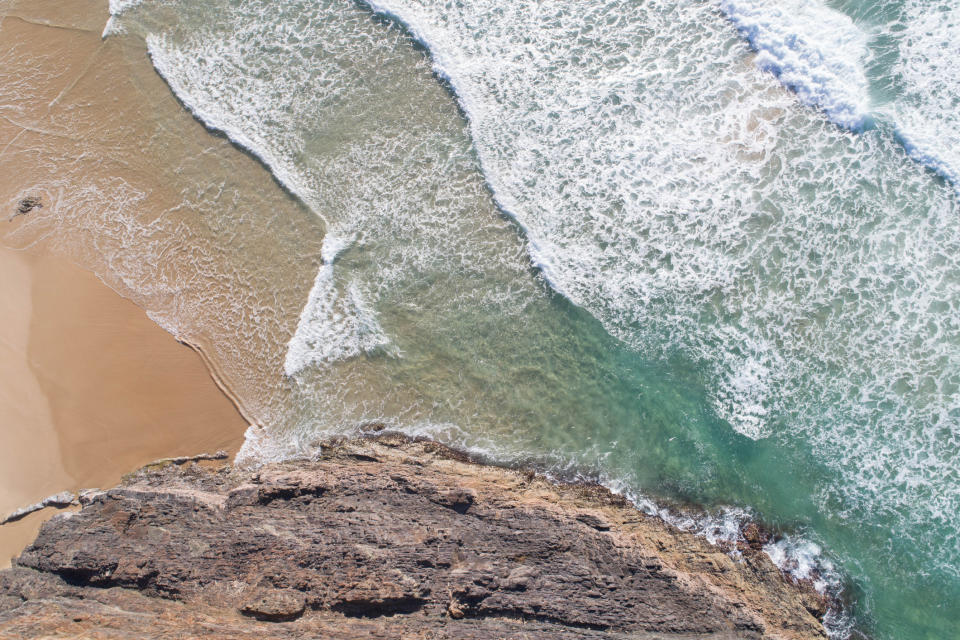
x: 384, y: 538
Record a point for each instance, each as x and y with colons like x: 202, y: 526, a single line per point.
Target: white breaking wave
x: 817, y: 52
x: 821, y: 55
x: 928, y: 116
x: 688, y: 203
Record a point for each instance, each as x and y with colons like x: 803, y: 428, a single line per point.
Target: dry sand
x: 90, y: 388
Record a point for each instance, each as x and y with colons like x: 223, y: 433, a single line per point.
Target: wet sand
x: 171, y: 217
x: 90, y: 388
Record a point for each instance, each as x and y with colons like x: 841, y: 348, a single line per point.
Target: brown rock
x: 275, y: 605
x: 384, y: 538
x: 594, y: 521
x: 755, y: 537
x: 27, y: 205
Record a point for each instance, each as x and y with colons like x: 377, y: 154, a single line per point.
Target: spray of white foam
x: 116, y: 9
x: 335, y: 324
x: 261, y: 447
x: 817, y: 52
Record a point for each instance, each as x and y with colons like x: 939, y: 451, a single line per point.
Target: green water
x: 626, y: 253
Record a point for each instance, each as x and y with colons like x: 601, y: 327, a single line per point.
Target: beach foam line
x: 337, y: 321
x: 169, y: 64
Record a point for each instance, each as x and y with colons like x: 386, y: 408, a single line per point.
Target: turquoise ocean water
x: 705, y: 252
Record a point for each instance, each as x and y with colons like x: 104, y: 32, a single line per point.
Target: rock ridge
x: 385, y: 537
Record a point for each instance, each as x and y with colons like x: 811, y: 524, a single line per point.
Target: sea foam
x: 308, y: 119
x: 335, y: 324
x: 805, y: 270
x: 116, y: 9
x: 815, y: 51
x: 927, y: 115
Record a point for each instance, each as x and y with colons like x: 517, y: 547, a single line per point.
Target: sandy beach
x: 90, y: 388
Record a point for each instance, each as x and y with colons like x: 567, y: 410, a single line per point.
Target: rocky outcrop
x: 384, y: 538
x: 27, y: 205
x: 60, y: 500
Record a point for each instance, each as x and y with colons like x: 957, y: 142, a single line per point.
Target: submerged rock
x: 384, y: 537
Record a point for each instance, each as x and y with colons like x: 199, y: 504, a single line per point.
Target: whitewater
x: 706, y: 250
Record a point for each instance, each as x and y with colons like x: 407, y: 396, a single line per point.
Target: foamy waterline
x: 928, y: 117
x: 820, y: 54
x: 337, y: 321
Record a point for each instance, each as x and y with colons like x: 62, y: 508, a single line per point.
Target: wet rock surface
x: 383, y: 538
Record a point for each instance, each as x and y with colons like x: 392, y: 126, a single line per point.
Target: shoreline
x: 220, y: 381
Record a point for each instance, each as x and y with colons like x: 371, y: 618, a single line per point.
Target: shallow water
x: 703, y: 251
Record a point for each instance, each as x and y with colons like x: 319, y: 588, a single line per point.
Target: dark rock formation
x: 27, y: 205
x: 384, y: 538
x: 275, y: 605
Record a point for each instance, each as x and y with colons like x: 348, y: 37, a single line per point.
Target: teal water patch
x: 732, y: 301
